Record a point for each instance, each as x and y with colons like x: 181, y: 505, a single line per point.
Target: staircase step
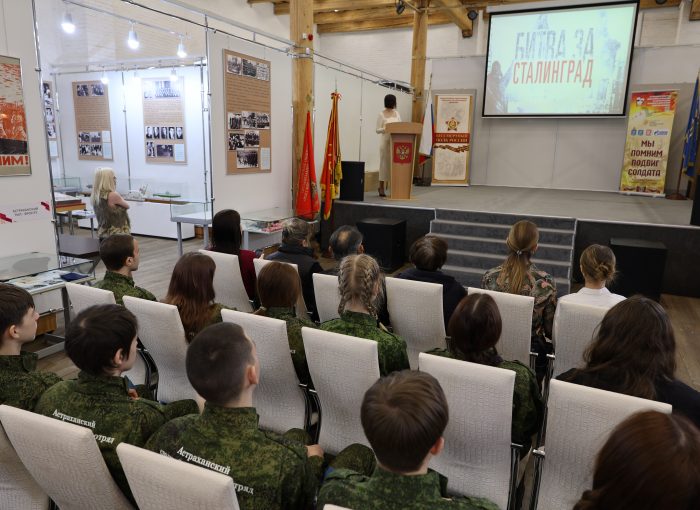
x: 484, y: 261
x: 471, y: 277
x: 505, y: 219
x: 497, y: 231
x: 485, y: 245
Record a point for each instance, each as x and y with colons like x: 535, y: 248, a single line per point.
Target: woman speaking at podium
x: 386, y: 116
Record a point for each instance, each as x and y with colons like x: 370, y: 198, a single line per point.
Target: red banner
x: 307, y: 205
x: 332, y: 169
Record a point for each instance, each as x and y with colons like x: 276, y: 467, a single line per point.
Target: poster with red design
x: 452, y: 142
x: 14, y: 152
x: 13, y: 213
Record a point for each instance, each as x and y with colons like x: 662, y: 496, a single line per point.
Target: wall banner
x: 92, y: 122
x: 454, y: 115
x: 648, y: 140
x: 164, y: 120
x: 14, y: 151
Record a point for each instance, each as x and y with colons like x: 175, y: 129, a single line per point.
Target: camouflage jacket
x: 391, y: 348
x: 20, y: 384
x: 269, y: 471
x: 539, y: 285
x: 528, y: 408
x: 296, y: 342
x: 121, y: 286
x: 390, y: 491
x: 111, y: 220
x: 102, y: 403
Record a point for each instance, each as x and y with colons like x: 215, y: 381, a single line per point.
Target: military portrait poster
x: 50, y: 117
x: 14, y: 150
x: 164, y: 135
x: 454, y: 118
x: 92, y: 122
x: 248, y: 100
x: 648, y: 142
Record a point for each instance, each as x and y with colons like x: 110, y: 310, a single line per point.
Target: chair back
x: 579, y: 421
x: 64, y: 460
x: 228, y: 282
x: 301, y: 305
x: 83, y: 296
x: 160, y: 482
x: 327, y: 296
x: 343, y: 368
x: 516, y: 316
x: 17, y: 487
x: 278, y: 398
x: 161, y: 332
x: 477, y: 454
x: 574, y: 325
x: 416, y: 315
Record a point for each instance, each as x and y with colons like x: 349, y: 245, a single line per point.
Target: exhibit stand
x: 403, y: 155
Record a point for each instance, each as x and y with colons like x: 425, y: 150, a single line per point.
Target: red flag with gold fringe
x: 307, y: 204
x: 332, y: 168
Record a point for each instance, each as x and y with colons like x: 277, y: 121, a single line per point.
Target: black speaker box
x: 640, y: 266
x: 385, y: 240
x: 352, y: 185
x: 695, y: 212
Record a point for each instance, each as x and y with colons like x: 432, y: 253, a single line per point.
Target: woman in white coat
x: 386, y: 116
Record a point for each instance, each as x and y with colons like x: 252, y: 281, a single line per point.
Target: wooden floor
x: 158, y: 257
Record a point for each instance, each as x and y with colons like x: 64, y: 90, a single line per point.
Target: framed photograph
x: 14, y: 151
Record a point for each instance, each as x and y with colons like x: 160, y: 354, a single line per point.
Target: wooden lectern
x: 403, y: 156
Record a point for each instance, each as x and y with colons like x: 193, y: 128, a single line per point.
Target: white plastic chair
x: 162, y: 333
x: 278, y: 399
x: 228, y: 282
x: 416, y: 315
x: 160, y: 482
x: 343, y: 368
x: 301, y: 305
x: 334, y: 507
x: 327, y: 296
x: 579, y: 421
x: 516, y: 316
x: 477, y: 459
x: 17, y: 487
x: 574, y: 325
x: 64, y: 460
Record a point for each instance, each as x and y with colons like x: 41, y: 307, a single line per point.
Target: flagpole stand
x: 677, y: 195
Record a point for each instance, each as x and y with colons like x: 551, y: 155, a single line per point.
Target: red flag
x: 307, y: 205
x: 332, y: 169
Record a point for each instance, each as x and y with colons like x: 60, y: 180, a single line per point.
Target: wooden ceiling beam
x: 458, y: 14
x: 378, y: 24
x: 323, y: 18
x: 695, y: 10
x: 341, y: 5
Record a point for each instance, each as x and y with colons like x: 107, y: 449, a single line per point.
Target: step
x: 505, y: 219
x: 496, y: 231
x: 486, y: 261
x: 498, y: 246
x: 471, y: 277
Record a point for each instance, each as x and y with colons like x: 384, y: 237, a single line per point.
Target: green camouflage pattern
x: 391, y: 348
x: 296, y: 342
x: 269, y: 471
x: 539, y: 285
x: 102, y: 403
x: 121, y: 286
x: 111, y: 220
x: 528, y: 408
x: 384, y: 490
x: 20, y: 384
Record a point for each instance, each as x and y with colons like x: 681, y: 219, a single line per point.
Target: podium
x: 403, y: 156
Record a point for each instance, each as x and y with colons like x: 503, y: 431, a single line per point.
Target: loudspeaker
x: 352, y: 185
x: 640, y: 266
x: 385, y: 240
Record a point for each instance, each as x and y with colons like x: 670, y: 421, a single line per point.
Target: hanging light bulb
x: 133, y: 40
x: 173, y: 75
x: 67, y: 24
x: 181, y: 49
x: 104, y: 78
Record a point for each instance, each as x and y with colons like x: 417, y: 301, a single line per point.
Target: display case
x: 263, y: 228
x: 67, y: 185
x: 191, y: 213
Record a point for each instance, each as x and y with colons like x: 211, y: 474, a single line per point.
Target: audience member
x: 120, y: 254
x: 20, y: 384
x: 519, y: 275
x: 404, y: 416
x: 109, y: 206
x: 227, y: 237
x: 598, y: 268
x: 346, y: 240
x: 191, y: 289
x: 101, y: 341
x: 649, y: 462
x: 634, y: 352
x: 295, y: 249
x: 428, y: 254
x: 474, y: 330
x: 360, y: 286
x: 279, y: 289
x: 271, y: 471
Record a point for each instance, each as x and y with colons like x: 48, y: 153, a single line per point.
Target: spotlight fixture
x: 400, y: 7
x: 67, y: 23
x: 173, y: 75
x: 472, y: 14
x: 660, y: 2
x: 104, y: 78
x: 181, y: 49
x: 133, y: 40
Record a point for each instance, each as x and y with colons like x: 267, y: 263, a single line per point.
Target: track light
x: 181, y: 49
x: 173, y: 75
x: 67, y: 24
x: 472, y: 14
x: 400, y: 7
x: 104, y: 78
x: 133, y: 40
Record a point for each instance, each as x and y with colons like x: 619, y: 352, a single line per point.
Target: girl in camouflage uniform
x: 109, y: 206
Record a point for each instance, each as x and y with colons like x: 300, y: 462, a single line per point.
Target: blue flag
x: 690, y: 146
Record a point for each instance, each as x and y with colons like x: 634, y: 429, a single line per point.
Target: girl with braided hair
x: 360, y: 287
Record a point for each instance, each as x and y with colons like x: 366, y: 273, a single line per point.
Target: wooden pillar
x: 301, y: 21
x: 420, y: 43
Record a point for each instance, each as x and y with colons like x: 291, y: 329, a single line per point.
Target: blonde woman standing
x: 386, y: 116
x: 109, y: 206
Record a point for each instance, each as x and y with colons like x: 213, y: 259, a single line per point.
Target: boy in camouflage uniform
x: 120, y: 253
x: 403, y: 416
x: 20, y: 384
x: 101, y: 341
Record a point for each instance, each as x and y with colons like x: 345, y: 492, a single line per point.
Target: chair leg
x: 548, y: 377
x: 539, y: 458
x: 514, y: 465
x: 316, y: 404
